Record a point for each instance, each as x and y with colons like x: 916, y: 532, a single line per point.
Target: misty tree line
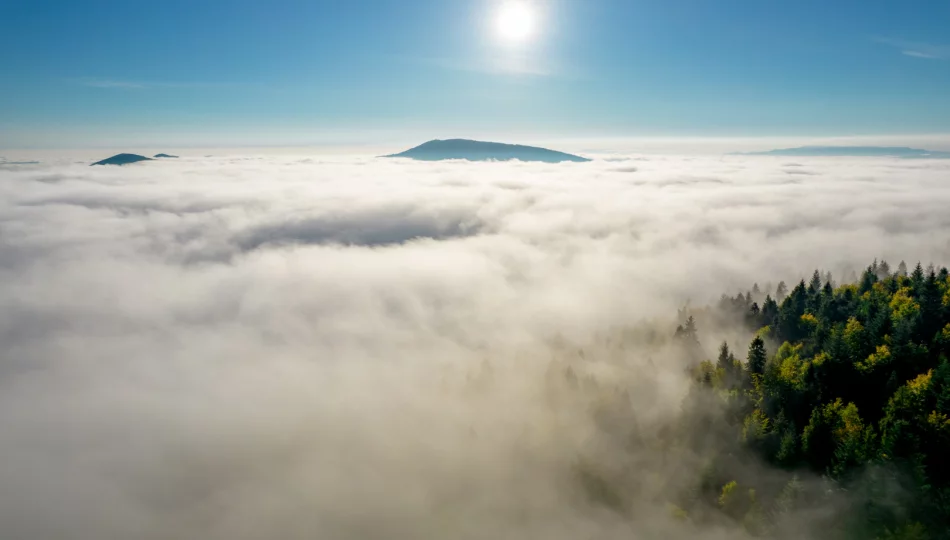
x: 833, y: 423
x: 858, y: 391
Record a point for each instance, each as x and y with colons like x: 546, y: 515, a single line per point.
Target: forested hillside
x: 834, y: 423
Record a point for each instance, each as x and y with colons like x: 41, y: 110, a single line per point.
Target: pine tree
x: 868, y: 279
x: 769, y: 311
x: 883, y: 270
x: 827, y: 291
x: 724, y: 361
x: 931, y: 305
x: 815, y: 284
x: 690, y: 328
x: 781, y: 292
x: 791, y: 311
x: 917, y: 278
x: 757, y: 356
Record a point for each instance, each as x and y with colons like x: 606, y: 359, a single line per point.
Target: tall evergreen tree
x: 868, y: 279
x: 883, y: 270
x: 781, y: 292
x: 724, y: 361
x: 769, y: 311
x: 917, y: 278
x: 757, y: 356
x: 815, y: 285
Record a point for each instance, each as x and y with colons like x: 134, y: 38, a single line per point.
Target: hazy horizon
x: 643, y: 333
x: 598, y: 146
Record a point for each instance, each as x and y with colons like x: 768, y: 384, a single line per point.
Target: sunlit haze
x: 516, y: 21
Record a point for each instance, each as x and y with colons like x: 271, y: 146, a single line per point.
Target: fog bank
x: 346, y: 347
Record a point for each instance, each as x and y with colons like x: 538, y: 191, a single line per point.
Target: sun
x: 515, y: 22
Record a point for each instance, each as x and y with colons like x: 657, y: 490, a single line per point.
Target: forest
x: 833, y: 423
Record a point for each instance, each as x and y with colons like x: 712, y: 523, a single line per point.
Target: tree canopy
x: 849, y: 384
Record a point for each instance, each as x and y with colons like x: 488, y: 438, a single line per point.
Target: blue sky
x: 75, y: 72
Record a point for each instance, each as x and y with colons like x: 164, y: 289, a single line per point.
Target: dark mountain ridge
x: 470, y: 150
x: 122, y: 159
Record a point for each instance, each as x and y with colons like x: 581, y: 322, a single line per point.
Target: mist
x: 245, y: 347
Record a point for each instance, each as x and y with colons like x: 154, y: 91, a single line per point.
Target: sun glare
x: 516, y: 22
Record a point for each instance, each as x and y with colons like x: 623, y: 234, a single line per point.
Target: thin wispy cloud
x: 111, y: 83
x: 123, y: 84
x: 915, y: 49
x: 918, y: 54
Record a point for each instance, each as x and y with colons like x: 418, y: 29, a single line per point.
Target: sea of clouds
x: 249, y: 347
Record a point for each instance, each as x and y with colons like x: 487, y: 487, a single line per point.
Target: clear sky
x: 76, y: 72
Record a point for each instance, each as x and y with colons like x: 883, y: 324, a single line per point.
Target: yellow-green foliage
x: 844, y: 290
x: 728, y: 496
x: 705, y: 371
x: 678, y: 513
x: 910, y: 398
x: 809, y: 322
x: 791, y: 369
x: 742, y: 506
x: 755, y: 427
x: 919, y: 386
x: 820, y: 359
x: 878, y: 293
x: 787, y: 350
x: 851, y: 427
x: 939, y: 421
x: 846, y: 425
x: 854, y: 334
x: 882, y: 356
x: 903, y: 306
x: 871, y: 344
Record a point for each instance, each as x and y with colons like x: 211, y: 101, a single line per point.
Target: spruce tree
x: 757, y: 356
x: 781, y: 292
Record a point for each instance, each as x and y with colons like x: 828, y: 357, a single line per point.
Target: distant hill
x: 3, y: 161
x: 164, y: 156
x: 439, y: 150
x: 854, y: 151
x: 122, y: 159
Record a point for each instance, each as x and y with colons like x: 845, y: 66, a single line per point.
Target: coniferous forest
x: 834, y: 422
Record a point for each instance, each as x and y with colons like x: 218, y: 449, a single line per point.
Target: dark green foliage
x: 835, y: 425
x: 757, y: 356
x: 858, y: 392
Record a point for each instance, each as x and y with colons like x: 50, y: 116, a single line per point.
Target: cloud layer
x: 283, y: 347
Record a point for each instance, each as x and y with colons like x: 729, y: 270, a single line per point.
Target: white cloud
x: 95, y: 82
x: 917, y: 49
x: 277, y: 347
x: 920, y: 54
